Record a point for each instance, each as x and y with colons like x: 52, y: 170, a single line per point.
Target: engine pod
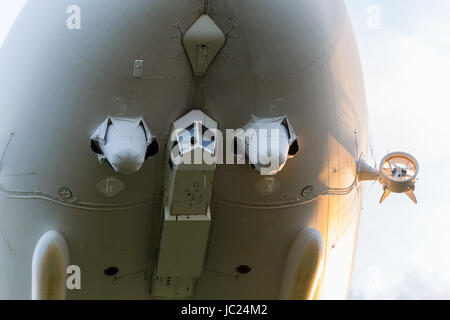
x: 303, y: 266
x: 398, y: 172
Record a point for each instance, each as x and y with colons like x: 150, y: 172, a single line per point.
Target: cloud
x: 410, y: 282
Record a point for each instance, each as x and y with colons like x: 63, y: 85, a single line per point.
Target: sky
x: 8, y: 13
x: 405, y: 54
x: 402, y: 250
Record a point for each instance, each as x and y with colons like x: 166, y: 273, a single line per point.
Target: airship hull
x: 293, y: 58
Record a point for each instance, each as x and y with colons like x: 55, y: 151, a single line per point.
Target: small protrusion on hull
x: 398, y: 174
x: 303, y: 266
x: 48, y: 270
x: 202, y: 42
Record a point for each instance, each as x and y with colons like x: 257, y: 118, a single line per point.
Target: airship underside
x: 87, y: 123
